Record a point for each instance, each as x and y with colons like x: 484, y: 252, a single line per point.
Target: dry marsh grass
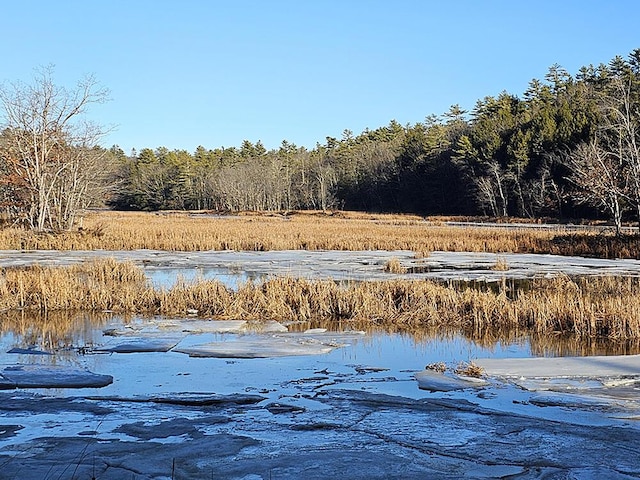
x: 583, y: 308
x: 181, y: 231
x: 95, y: 285
x: 469, y: 369
x: 393, y: 265
x: 501, y: 265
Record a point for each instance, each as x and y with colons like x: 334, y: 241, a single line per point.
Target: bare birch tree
x: 607, y: 170
x: 491, y: 189
x: 50, y: 147
x: 601, y: 179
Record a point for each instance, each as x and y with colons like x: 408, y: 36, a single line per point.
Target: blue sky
x: 213, y: 73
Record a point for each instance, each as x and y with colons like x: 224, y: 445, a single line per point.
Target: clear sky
x: 184, y: 73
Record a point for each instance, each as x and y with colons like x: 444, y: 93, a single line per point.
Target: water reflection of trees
x: 59, y: 330
x: 490, y: 339
x: 52, y: 330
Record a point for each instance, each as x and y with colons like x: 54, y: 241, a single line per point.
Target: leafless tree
x: 49, y: 151
x: 623, y: 136
x: 607, y: 169
x: 490, y: 189
x: 601, y: 179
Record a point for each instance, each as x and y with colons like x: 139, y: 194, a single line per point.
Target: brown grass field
x: 181, y: 231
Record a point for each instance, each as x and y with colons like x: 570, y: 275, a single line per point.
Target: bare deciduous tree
x: 621, y: 127
x: 49, y: 152
x: 491, y: 189
x: 607, y: 169
x: 600, y: 178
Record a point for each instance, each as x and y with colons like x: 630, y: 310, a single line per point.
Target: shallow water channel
x: 187, y: 401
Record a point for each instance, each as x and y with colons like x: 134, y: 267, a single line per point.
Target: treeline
x: 569, y: 147
x: 509, y: 156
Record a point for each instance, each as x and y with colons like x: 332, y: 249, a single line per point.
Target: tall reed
x: 95, y: 285
x: 584, y: 308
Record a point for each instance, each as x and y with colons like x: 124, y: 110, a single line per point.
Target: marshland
x: 248, y: 313
x: 177, y: 316
x: 597, y: 307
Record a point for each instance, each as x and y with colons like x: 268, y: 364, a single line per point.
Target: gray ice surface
x: 50, y: 376
x: 234, y: 267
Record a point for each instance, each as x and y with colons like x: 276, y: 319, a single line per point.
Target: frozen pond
x: 232, y: 267
x: 190, y: 398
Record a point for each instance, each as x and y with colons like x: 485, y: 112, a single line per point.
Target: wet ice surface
x: 357, y: 411
x: 232, y: 267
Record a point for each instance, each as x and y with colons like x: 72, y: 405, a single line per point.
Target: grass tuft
x: 501, y: 265
x: 469, y: 370
x: 439, y: 367
x: 393, y: 265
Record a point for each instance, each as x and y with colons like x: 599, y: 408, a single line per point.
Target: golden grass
x: 182, y: 231
x: 469, y: 369
x: 584, y: 308
x: 95, y: 285
x: 501, y: 265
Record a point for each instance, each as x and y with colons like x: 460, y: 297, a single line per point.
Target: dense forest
x: 568, y: 148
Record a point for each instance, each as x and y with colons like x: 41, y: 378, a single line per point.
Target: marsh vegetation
x: 602, y: 307
x: 183, y: 231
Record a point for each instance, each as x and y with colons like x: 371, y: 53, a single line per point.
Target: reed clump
x: 603, y: 307
x: 501, y: 265
x: 393, y: 265
x: 95, y: 285
x: 469, y: 369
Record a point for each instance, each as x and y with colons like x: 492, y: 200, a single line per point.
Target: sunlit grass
x: 595, y: 308
x: 303, y: 231
x: 182, y: 231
